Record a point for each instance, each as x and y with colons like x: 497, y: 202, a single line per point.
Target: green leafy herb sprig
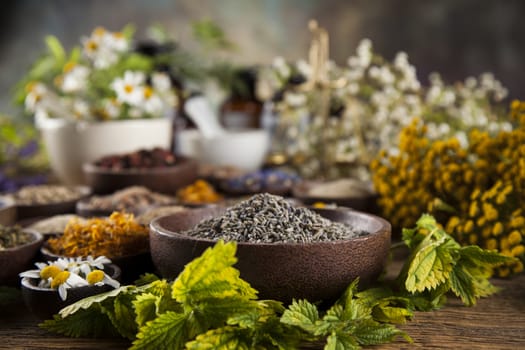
x: 209, y: 306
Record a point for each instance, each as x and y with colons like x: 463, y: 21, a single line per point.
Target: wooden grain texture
x: 497, y: 322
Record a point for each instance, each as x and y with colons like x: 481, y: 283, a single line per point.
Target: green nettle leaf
x: 168, y: 331
x: 462, y: 285
x: 422, y: 272
x: 211, y: 275
x: 370, y: 332
x: 341, y: 341
x: 349, y: 293
x: 217, y: 310
x: 89, y: 302
x: 303, y: 314
x: 123, y: 315
x: 225, y: 338
x: 384, y: 312
x: 82, y: 324
x: 438, y: 263
x: 145, y: 306
x: 475, y: 256
x: 146, y: 278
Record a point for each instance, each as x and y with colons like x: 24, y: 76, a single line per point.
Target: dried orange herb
x: 200, y: 192
x: 116, y: 236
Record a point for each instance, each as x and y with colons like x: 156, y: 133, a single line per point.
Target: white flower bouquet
x: 103, y: 79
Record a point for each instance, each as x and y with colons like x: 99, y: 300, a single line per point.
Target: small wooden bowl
x: 17, y: 259
x: 366, y: 202
x: 45, y: 302
x: 164, y: 180
x: 26, y: 211
x: 316, y: 271
x: 7, y: 211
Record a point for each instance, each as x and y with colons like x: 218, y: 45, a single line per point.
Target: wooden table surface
x: 496, y: 322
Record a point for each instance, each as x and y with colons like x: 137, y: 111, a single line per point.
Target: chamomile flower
x: 103, y: 47
x: 67, y: 273
x: 152, y: 103
x: 129, y: 88
x: 36, y: 93
x: 75, y: 78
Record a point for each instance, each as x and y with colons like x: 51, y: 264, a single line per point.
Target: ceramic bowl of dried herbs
x: 119, y: 237
x: 38, y: 201
x: 157, y: 169
x: 284, y: 251
x: 7, y: 211
x: 18, y: 247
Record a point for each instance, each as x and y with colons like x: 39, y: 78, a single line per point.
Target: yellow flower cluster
x: 493, y: 222
x: 476, y: 192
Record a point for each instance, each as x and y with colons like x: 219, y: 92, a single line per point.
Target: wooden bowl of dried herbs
x: 7, y: 211
x: 119, y: 237
x: 18, y: 247
x: 284, y: 251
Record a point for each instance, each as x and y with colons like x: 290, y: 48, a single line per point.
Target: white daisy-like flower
x: 37, y: 92
x: 112, y: 108
x: 65, y: 273
x: 152, y: 103
x: 115, y: 41
x: 129, y: 88
x: 103, y: 47
x: 75, y: 79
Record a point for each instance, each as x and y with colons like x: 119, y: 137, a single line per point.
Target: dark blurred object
x: 141, y: 159
x: 241, y: 109
x: 267, y: 180
x: 167, y: 179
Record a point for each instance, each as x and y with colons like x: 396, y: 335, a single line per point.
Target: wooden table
x: 496, y: 322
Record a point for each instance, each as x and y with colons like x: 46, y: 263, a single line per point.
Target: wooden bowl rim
x: 156, y: 228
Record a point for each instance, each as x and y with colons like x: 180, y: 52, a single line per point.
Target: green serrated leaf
x: 225, y: 338
x: 88, y: 302
x: 348, y: 295
x: 212, y: 275
x: 145, y: 306
x: 216, y: 311
x: 370, y: 332
x: 341, y: 341
x: 123, y: 315
x: 476, y: 256
x: 462, y: 285
x: 427, y: 222
x: 146, y: 278
x: 168, y: 331
x: 430, y: 266
x: 81, y: 324
x: 302, y: 314
x: 384, y: 312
